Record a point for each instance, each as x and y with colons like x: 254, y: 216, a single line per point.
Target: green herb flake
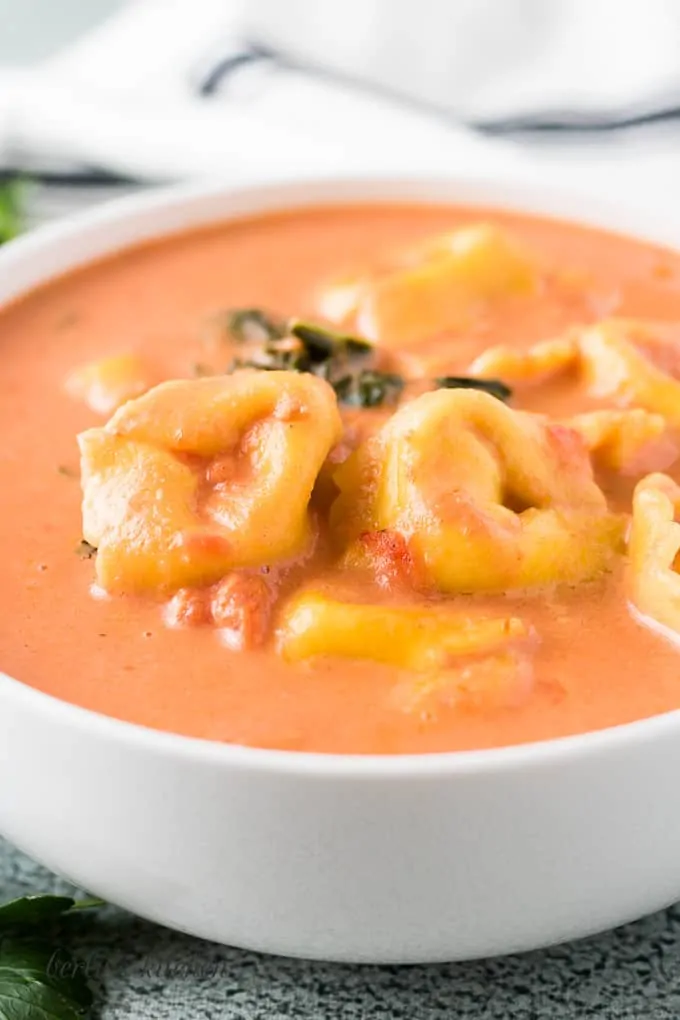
x: 12, y: 203
x: 85, y: 550
x: 253, y: 325
x: 288, y: 354
x: 323, y: 344
x: 369, y: 388
x: 494, y: 387
x: 66, y: 471
x: 285, y: 355
x: 308, y: 347
x: 357, y: 347
x: 261, y: 364
x: 319, y: 343
x: 343, y: 388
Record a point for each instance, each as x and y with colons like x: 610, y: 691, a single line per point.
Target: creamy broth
x: 595, y: 664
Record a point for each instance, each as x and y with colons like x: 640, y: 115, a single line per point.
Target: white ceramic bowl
x: 381, y: 859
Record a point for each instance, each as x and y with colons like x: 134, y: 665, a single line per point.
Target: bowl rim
x: 520, y: 192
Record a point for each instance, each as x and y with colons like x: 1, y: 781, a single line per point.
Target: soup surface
x: 463, y: 578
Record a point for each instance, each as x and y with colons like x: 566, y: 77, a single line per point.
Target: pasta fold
x: 652, y: 581
x: 631, y: 442
x: 416, y: 638
x: 490, y: 499
x: 451, y: 658
x: 199, y: 477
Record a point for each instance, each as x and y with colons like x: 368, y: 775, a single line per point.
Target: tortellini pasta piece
x: 106, y: 384
x: 533, y: 366
x: 614, y: 365
x: 631, y: 442
x: 451, y: 658
x: 490, y: 499
x: 199, y: 477
x: 415, y: 638
x: 436, y: 287
x: 630, y: 363
x: 652, y: 581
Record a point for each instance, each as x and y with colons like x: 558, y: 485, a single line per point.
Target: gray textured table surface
x: 146, y: 972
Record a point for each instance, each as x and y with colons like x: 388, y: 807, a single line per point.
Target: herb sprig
x: 369, y: 388
x: 12, y: 203
x: 39, y: 980
x: 346, y: 361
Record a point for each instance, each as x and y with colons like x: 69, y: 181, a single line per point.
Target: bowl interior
x: 55, y: 250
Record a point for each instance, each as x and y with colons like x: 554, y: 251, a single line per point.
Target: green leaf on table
x: 34, y: 909
x: 12, y: 208
x: 39, y: 982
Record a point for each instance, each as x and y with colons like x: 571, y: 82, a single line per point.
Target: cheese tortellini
x: 106, y: 384
x: 530, y: 367
x: 415, y: 638
x: 629, y: 363
x: 630, y: 442
x: 199, y: 477
x: 436, y: 287
x: 449, y: 657
x: 653, y: 583
x: 618, y: 362
x: 491, y: 499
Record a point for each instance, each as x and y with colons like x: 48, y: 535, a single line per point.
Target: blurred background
x: 100, y: 96
x: 31, y: 31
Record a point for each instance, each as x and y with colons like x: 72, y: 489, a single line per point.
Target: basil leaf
x: 323, y: 344
x: 495, y: 387
x: 319, y: 343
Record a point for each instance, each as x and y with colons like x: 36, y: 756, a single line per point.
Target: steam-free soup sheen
x: 592, y: 660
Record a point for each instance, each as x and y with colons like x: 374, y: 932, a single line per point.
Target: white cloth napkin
x: 126, y: 97
x: 485, y: 59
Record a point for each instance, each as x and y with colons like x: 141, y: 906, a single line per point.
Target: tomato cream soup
x: 372, y: 479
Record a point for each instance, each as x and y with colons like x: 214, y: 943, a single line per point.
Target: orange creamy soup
x: 374, y: 479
